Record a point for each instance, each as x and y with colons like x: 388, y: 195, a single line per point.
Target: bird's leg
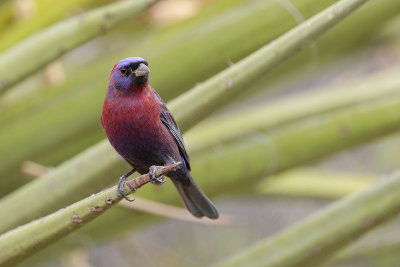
x: 153, y: 177
x: 121, y: 183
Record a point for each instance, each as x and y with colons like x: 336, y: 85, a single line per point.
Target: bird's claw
x: 120, y: 189
x: 153, y: 178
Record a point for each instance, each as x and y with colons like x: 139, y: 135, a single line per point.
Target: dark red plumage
x: 142, y: 130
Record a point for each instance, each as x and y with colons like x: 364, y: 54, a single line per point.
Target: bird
x: 143, y: 131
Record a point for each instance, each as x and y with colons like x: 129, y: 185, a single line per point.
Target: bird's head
x: 130, y: 74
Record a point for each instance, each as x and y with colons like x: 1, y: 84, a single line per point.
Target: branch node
x: 96, y: 209
x: 109, y: 201
x: 76, y: 219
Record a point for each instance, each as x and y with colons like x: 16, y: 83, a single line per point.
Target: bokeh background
x: 53, y: 114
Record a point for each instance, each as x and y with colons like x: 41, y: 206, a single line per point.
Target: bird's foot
x: 153, y: 178
x: 121, y: 184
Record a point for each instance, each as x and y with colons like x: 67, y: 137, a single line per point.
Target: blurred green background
x: 52, y: 112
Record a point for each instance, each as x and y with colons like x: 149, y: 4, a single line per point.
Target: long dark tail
x: 195, y: 200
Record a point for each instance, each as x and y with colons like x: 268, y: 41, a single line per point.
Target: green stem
x: 315, y: 239
x: 37, y: 18
x: 220, y: 89
x: 42, y: 48
x: 381, y: 244
x: 305, y: 182
x: 229, y: 127
x: 18, y: 244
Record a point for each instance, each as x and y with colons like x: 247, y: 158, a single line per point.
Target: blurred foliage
x: 56, y: 40
x: 25, y: 17
x: 349, y: 77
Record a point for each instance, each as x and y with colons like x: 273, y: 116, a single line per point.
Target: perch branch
x: 18, y: 244
x: 36, y: 170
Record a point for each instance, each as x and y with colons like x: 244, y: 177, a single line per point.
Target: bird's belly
x: 143, y: 143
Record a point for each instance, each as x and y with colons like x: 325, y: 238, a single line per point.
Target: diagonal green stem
x: 243, y: 122
x: 18, y: 244
x: 315, y: 183
x: 317, y: 238
x: 30, y: 55
x: 220, y: 89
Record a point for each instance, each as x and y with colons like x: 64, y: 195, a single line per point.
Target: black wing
x: 169, y: 122
x: 172, y: 126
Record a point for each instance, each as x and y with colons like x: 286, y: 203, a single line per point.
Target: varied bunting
x: 142, y: 130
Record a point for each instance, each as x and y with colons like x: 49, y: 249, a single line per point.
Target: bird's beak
x: 142, y: 70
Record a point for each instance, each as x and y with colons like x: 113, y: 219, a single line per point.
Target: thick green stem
x: 377, y: 247
x: 296, y: 143
x: 303, y: 182
x: 36, y: 18
x: 18, y: 244
x: 220, y: 89
x: 317, y: 238
x: 78, y: 175
x: 266, y: 116
x: 40, y: 49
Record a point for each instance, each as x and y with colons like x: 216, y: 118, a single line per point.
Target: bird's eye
x: 123, y: 71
